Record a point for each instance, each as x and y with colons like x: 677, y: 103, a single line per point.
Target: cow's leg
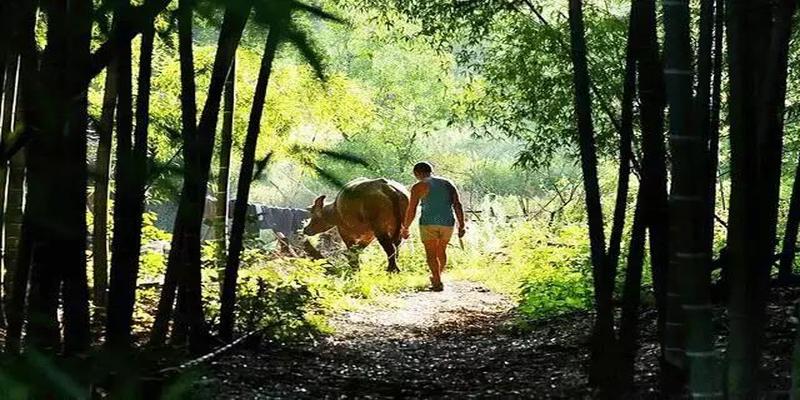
x: 352, y: 253
x: 391, y: 252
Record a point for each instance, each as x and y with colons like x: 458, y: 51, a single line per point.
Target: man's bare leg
x: 441, y: 255
x: 431, y: 254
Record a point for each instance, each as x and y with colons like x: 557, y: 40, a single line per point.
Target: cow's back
x: 375, y: 206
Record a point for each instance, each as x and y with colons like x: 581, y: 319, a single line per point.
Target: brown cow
x: 365, y: 209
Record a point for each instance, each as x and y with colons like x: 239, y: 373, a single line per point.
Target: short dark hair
x: 423, y: 167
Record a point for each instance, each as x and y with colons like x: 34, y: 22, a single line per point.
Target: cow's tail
x: 398, y: 214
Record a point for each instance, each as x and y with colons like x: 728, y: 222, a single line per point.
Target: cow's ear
x: 319, y: 202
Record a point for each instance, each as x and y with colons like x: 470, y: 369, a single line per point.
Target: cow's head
x: 320, y: 220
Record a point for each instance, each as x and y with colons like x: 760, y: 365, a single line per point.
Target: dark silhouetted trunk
x: 795, y: 390
x: 180, y: 327
x: 71, y: 253
x: 692, y: 252
x: 714, y: 118
x: 631, y: 295
x: 15, y: 311
x: 602, y: 359
x: 228, y: 298
x: 101, y: 192
x: 13, y: 221
x: 131, y: 174
x: 220, y: 222
x: 57, y: 169
x: 188, y: 125
x: 789, y: 248
x: 758, y: 43
x: 7, y: 125
x: 626, y: 351
x: 687, y: 153
x: 198, y: 152
x: 625, y: 151
x: 17, y: 257
x: 158, y: 333
x: 654, y: 172
x: 14, y: 210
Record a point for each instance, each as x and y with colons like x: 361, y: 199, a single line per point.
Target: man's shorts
x: 435, y: 232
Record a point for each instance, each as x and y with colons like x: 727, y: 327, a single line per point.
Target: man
x: 439, y: 199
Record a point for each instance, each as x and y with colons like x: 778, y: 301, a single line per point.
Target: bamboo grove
x: 690, y: 82
x: 737, y: 51
x: 45, y: 119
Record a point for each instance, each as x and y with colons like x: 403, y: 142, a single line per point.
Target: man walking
x: 439, y: 199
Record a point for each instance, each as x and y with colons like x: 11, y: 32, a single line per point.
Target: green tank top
x: 437, y: 205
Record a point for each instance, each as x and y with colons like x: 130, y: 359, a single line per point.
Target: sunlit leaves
x: 518, y: 67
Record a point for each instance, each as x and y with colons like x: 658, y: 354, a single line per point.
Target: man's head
x: 422, y: 170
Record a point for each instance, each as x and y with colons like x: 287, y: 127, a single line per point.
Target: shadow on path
x: 453, y: 344
x: 461, y: 344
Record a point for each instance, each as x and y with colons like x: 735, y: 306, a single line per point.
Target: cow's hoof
x: 394, y: 270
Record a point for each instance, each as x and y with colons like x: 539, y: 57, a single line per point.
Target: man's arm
x: 417, y: 191
x: 459, y: 210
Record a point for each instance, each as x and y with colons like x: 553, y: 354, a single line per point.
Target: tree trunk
x: 18, y: 256
x: 15, y: 311
x: 71, y: 254
x: 180, y: 327
x: 686, y: 195
x: 692, y: 252
x: 7, y: 126
x: 57, y: 169
x: 131, y: 175
x: 198, y: 152
x: 3, y: 51
x: 628, y: 329
x: 625, y: 149
x: 631, y: 296
x: 189, y: 125
x: 228, y: 298
x: 789, y: 248
x: 158, y: 333
x: 220, y: 222
x: 713, y: 125
x: 101, y: 192
x: 758, y: 40
x: 13, y: 229
x: 654, y: 172
x: 602, y: 370
x: 795, y: 390
x: 2, y: 108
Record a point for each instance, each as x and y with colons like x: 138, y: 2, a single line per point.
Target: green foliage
x: 152, y: 266
x: 293, y: 297
x: 544, y: 267
x: 279, y: 297
x: 559, y: 280
x: 514, y: 64
x: 153, y: 261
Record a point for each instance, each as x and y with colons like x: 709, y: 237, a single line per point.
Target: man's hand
x: 404, y: 232
x: 462, y: 230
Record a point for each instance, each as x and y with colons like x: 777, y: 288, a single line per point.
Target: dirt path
x: 453, y: 344
x: 459, y: 344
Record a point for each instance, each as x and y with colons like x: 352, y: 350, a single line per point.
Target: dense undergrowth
x: 542, y: 266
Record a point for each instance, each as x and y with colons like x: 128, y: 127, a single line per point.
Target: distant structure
x: 279, y: 219
x: 261, y: 217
